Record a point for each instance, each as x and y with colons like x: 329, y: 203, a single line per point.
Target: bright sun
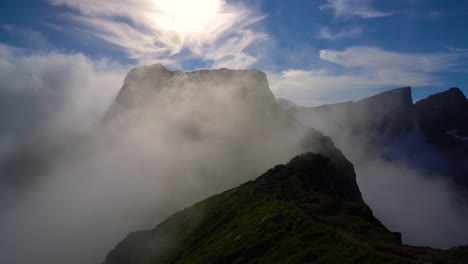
x: 186, y: 17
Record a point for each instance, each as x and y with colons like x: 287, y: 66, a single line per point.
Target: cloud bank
x: 191, y: 141
x: 44, y: 96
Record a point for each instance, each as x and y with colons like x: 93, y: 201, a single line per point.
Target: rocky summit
x: 300, y: 212
x: 143, y: 86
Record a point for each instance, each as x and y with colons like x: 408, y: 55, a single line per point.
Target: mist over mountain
x: 172, y: 138
x: 182, y: 131
x: 409, y: 158
x: 294, y: 213
x: 169, y: 139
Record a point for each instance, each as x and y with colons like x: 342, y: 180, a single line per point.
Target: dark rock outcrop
x: 380, y: 123
x: 443, y: 116
x: 443, y: 119
x: 389, y: 113
x: 315, y: 173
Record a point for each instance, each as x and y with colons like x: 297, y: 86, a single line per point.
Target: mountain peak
x: 441, y: 113
x: 455, y: 90
x: 146, y: 86
x: 390, y: 113
x: 293, y: 213
x: 311, y: 172
x: 453, y: 95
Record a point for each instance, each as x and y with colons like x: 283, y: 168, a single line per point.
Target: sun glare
x: 186, y: 16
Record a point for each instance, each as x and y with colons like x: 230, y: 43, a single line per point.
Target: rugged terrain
x: 383, y: 123
x: 173, y: 138
x: 293, y: 213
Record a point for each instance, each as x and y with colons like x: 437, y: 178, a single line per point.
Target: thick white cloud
x: 158, y: 30
x: 362, y: 67
x: 354, y: 8
x: 51, y: 94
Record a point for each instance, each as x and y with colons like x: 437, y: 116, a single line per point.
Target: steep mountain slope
x: 293, y: 213
x: 444, y: 116
x: 443, y: 119
x: 389, y: 113
x: 145, y: 86
x: 388, y: 123
x: 170, y: 139
x: 228, y: 116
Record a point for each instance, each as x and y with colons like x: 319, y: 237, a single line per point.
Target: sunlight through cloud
x: 152, y: 31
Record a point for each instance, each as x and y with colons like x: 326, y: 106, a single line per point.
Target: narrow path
x: 341, y: 232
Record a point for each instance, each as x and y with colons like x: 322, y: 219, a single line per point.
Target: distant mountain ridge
x: 390, y: 113
x: 441, y: 119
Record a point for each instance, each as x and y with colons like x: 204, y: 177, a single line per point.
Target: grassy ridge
x: 277, y: 218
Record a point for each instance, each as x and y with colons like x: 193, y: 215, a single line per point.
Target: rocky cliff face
x: 144, y: 86
x: 443, y: 119
x: 381, y: 126
x: 444, y: 116
x: 390, y: 113
x: 293, y: 213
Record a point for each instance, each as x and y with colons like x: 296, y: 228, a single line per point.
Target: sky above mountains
x: 315, y: 51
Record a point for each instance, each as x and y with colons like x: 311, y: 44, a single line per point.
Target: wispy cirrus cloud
x: 327, y: 33
x: 363, y: 67
x: 355, y: 8
x: 160, y: 30
x: 369, y: 58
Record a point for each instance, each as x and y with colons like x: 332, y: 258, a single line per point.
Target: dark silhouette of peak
x: 443, y: 116
x: 389, y: 113
x: 402, y: 95
x: 315, y: 173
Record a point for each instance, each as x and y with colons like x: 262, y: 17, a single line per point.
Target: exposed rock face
x: 294, y: 213
x: 378, y: 125
x: 341, y: 183
x: 389, y: 113
x: 443, y: 115
x: 144, y: 85
x: 443, y: 119
x: 315, y: 173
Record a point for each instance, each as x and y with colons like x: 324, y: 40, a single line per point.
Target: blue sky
x: 314, y: 51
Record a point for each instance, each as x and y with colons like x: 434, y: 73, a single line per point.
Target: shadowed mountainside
x: 385, y: 120
x: 293, y: 213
